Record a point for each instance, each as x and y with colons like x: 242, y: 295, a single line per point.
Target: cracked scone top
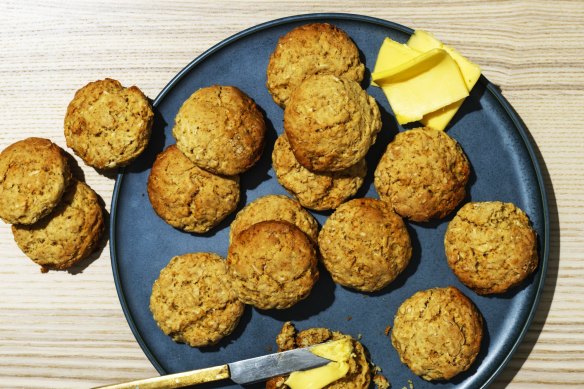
x: 330, y: 123
x: 272, y: 264
x: 188, y: 197
x: 318, y: 191
x: 220, y: 129
x: 67, y: 235
x: 491, y: 246
x: 34, y: 174
x: 365, y: 245
x: 423, y: 174
x: 437, y: 333
x: 316, y: 48
x: 108, y: 125
x: 193, y: 302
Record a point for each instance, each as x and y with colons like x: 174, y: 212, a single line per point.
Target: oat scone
x: 330, y: 123
x: 108, y: 125
x: 220, y: 129
x: 359, y: 374
x: 274, y: 207
x: 437, y: 333
x: 316, y: 48
x: 272, y: 264
x: 365, y: 245
x: 34, y: 174
x: 193, y: 302
x: 423, y: 174
x: 318, y: 191
x: 188, y: 197
x: 67, y: 235
x: 491, y: 246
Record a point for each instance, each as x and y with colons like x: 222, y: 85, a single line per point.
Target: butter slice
x: 339, y: 352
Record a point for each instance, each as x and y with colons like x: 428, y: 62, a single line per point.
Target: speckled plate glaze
x: 504, y: 168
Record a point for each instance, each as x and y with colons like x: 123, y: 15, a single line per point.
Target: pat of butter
x: 339, y: 352
x: 424, y: 84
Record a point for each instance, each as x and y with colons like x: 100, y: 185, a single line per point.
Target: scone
x: 491, y: 246
x: 330, y: 123
x: 220, y: 129
x: 359, y: 374
x: 67, y: 235
x: 34, y: 174
x: 365, y: 245
x: 108, y: 125
x: 192, y: 300
x: 274, y: 207
x: 437, y: 333
x: 188, y: 197
x: 272, y: 264
x: 318, y: 191
x: 422, y: 174
x: 316, y: 48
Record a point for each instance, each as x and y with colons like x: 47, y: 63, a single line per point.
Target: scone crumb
x: 387, y: 330
x: 381, y: 382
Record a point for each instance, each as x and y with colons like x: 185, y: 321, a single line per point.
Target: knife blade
x: 242, y: 372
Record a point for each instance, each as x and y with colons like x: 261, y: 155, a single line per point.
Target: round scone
x: 220, y: 129
x: 437, y: 333
x: 188, y: 197
x: 491, y: 246
x: 365, y: 245
x: 423, y: 174
x: 330, y: 123
x: 34, y: 174
x: 359, y: 374
x: 67, y: 235
x: 273, y: 264
x: 192, y: 301
x: 108, y: 125
x: 318, y: 191
x: 317, y: 48
x: 274, y: 207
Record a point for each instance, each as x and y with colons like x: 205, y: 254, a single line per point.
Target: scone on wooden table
x: 365, y: 245
x: 188, y: 197
x: 34, y: 174
x: 108, y: 125
x: 330, y: 123
x: 67, y: 235
x: 316, y: 48
x: 491, y: 246
x: 220, y: 129
x: 318, y: 191
x: 272, y: 264
x: 192, y: 300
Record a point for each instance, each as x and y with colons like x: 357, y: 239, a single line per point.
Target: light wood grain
x: 63, y: 330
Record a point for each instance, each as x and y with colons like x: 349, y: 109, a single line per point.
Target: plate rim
x: 518, y: 123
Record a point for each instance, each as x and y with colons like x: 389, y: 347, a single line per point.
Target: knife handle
x: 178, y: 380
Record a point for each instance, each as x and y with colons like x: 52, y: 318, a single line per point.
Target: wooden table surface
x: 67, y: 330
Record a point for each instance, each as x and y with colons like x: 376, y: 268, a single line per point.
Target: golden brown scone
x: 423, y: 174
x: 359, y: 375
x: 491, y: 246
x: 365, y: 245
x: 274, y: 207
x: 67, y: 235
x: 34, y: 174
x: 318, y: 191
x: 188, y: 197
x: 192, y: 300
x: 220, y: 129
x: 108, y: 125
x: 330, y: 123
x: 437, y: 333
x: 317, y: 48
x: 273, y: 264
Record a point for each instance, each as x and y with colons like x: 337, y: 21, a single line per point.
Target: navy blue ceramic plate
x: 504, y: 166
